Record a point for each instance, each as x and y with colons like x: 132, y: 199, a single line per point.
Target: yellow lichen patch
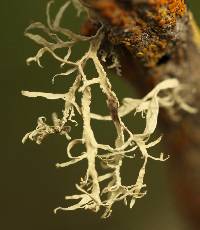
x: 140, y: 54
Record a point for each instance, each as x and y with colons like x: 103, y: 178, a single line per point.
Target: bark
x: 158, y: 39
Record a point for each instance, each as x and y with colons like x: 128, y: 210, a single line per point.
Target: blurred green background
x: 31, y: 186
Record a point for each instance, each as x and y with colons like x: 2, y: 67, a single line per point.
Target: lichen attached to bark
x: 90, y: 193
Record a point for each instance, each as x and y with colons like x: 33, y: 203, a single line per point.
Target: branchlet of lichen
x: 90, y: 194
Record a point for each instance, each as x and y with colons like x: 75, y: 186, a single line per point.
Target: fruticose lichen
x: 90, y: 194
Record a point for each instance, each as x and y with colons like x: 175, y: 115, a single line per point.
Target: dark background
x: 31, y: 187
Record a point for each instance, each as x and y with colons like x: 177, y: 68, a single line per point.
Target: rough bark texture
x: 158, y: 39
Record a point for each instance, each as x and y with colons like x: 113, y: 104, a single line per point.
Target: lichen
x: 90, y: 191
x: 148, y: 29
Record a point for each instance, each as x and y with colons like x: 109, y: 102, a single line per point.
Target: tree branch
x: 159, y: 39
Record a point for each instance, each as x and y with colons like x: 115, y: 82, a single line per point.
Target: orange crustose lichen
x: 144, y: 31
x: 167, y: 11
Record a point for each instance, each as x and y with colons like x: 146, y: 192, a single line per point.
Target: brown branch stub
x: 148, y: 29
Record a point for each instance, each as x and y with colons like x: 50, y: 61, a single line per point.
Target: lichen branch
x: 91, y: 194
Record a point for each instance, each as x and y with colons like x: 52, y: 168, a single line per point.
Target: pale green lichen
x: 90, y: 194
